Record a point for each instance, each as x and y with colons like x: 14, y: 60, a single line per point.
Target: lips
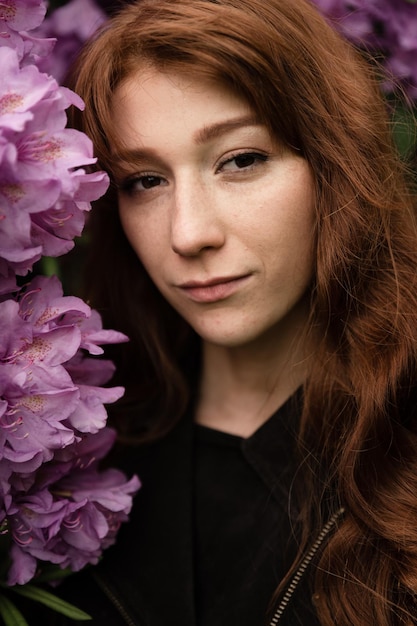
x: 214, y: 289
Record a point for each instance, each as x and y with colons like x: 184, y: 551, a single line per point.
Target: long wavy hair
x: 358, y: 426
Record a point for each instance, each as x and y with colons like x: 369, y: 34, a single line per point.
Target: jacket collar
x: 271, y: 450
x: 150, y: 570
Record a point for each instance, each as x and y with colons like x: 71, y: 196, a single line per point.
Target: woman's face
x: 219, y: 213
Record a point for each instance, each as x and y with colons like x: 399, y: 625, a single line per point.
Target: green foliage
x: 405, y: 129
x: 48, y: 599
x: 12, y: 616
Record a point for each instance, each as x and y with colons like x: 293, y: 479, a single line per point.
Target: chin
x: 229, y: 337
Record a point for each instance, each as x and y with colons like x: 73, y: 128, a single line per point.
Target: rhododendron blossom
x: 44, y: 188
x: 51, y: 402
x: 71, y: 25
x: 71, y: 521
x: 16, y: 18
x: 387, y: 27
x: 56, y: 505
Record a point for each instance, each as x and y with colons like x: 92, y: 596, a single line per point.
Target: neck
x: 241, y: 387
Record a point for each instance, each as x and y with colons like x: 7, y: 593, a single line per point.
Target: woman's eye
x: 141, y: 183
x: 245, y: 160
x: 147, y: 182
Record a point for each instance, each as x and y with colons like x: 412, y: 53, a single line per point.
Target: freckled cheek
x: 145, y: 239
x: 307, y: 256
x: 153, y: 257
x: 304, y: 242
x: 150, y: 257
x: 292, y: 247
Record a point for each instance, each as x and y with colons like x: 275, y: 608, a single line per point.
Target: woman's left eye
x: 243, y: 161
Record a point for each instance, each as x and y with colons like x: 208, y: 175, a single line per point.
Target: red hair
x: 318, y: 95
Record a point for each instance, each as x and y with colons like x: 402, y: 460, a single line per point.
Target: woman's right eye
x: 138, y: 184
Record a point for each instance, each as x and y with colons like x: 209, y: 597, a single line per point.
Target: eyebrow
x: 201, y: 136
x: 208, y: 133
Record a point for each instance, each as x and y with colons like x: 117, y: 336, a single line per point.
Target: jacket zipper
x: 114, y: 600
x: 292, y: 587
x: 327, y: 528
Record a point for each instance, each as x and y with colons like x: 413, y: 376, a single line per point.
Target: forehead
x: 152, y: 103
x: 152, y: 86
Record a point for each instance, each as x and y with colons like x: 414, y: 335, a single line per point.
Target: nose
x: 195, y: 223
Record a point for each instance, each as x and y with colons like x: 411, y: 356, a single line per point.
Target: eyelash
x: 257, y: 156
x: 128, y: 186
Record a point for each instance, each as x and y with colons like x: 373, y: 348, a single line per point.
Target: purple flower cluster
x: 71, y: 25
x: 56, y: 505
x: 388, y: 27
x: 16, y: 18
x: 43, y: 192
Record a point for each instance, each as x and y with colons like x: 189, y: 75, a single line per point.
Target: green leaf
x: 50, y: 266
x: 10, y: 614
x: 53, y: 573
x: 405, y: 129
x: 51, y: 601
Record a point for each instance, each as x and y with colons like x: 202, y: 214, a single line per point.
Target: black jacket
x: 146, y: 579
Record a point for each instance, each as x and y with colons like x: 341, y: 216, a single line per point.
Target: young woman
x: 258, y: 245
